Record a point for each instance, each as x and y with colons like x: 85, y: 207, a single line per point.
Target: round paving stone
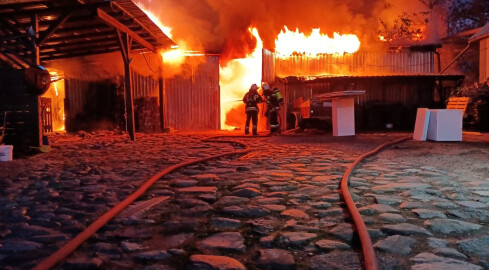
x: 428, y: 214
x: 225, y: 242
x: 276, y: 259
x: 451, y: 226
x: 331, y: 245
x: 294, y: 213
x: 296, y: 238
x: 397, y: 244
x: 202, y: 262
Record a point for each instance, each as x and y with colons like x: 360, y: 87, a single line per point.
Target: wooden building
x: 396, y: 82
x: 482, y: 37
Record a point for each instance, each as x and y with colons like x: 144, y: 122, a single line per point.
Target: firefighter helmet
x: 253, y: 87
x: 265, y: 87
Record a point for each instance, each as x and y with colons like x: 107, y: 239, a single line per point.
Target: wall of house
x: 484, y: 60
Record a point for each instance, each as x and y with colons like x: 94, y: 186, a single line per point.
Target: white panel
x: 445, y: 125
x: 344, y: 117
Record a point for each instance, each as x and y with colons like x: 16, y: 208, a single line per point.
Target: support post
x: 125, y: 44
x: 161, y: 95
x: 37, y: 137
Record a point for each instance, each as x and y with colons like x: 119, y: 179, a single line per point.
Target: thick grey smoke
x: 221, y: 25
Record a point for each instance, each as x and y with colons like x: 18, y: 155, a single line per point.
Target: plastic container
x: 6, y: 152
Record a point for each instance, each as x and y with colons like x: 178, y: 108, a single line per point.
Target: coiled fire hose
x: 72, y: 245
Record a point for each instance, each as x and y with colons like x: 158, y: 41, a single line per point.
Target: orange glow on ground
x: 289, y: 43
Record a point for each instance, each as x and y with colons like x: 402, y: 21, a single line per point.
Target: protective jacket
x: 274, y: 99
x: 252, y: 99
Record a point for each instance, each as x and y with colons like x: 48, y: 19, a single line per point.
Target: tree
x: 466, y: 15
x: 412, y: 26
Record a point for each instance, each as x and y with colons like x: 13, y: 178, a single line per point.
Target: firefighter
x: 274, y: 100
x: 252, y: 99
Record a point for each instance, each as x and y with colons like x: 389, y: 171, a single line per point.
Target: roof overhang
x: 328, y: 78
x: 70, y: 28
x: 481, y: 34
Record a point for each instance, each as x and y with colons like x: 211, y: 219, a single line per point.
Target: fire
x: 288, y: 43
x: 155, y: 19
x: 56, y: 93
x: 175, y: 56
x: 235, y: 79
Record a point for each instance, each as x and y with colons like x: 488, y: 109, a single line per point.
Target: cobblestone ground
x: 275, y: 208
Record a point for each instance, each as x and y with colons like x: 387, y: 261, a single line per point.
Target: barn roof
x: 481, y: 34
x: 70, y: 28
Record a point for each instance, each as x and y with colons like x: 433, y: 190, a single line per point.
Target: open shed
x: 33, y: 32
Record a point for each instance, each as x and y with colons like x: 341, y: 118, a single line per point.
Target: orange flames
x: 235, y: 80
x: 155, y: 19
x: 289, y: 43
x: 56, y: 93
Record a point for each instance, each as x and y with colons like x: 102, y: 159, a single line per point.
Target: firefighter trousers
x: 274, y: 125
x: 251, y: 115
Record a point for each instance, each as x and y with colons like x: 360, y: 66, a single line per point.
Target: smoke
x: 108, y: 66
x: 221, y: 25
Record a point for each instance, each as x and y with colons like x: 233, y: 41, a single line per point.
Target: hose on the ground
x: 69, y: 247
x: 367, y: 248
x: 366, y: 242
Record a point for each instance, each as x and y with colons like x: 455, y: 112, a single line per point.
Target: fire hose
x: 72, y: 245
x: 366, y: 242
x: 67, y: 249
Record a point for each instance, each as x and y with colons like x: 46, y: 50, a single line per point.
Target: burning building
x: 193, y: 75
x: 80, y: 42
x: 334, y: 46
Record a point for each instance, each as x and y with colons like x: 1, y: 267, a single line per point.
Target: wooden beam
x: 11, y: 61
x: 4, y: 21
x: 61, y: 7
x: 38, y: 131
x: 46, y: 34
x: 80, y: 45
x: 14, y: 53
x: 125, y: 47
x: 79, y: 38
x: 122, y: 45
x: 162, y: 100
x: 35, y: 27
x: 79, y: 54
x: 94, y: 48
x: 113, y: 22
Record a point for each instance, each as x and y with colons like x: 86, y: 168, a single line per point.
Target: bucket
x: 6, y: 152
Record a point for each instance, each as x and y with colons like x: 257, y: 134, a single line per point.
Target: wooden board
x: 421, y: 126
x: 340, y: 94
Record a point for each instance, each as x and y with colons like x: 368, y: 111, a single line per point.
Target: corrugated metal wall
x: 362, y: 63
x: 268, y: 66
x: 75, y: 99
x: 144, y: 86
x: 193, y: 101
x: 402, y: 95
